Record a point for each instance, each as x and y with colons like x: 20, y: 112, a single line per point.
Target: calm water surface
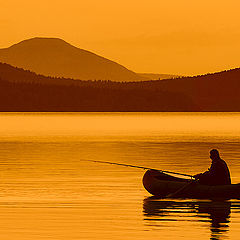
x: 49, y: 191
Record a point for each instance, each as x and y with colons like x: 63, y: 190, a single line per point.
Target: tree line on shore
x: 22, y: 90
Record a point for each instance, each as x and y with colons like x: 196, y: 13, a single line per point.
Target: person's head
x: 214, y: 154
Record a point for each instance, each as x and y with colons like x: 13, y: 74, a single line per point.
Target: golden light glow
x: 178, y: 37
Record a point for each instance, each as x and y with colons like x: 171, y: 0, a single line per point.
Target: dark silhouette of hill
x: 22, y: 90
x: 210, y: 92
x: 156, y: 76
x: 57, y: 58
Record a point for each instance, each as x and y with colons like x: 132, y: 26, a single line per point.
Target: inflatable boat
x: 166, y: 186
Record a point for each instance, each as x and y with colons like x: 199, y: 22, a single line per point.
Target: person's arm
x: 207, y: 173
x: 212, y: 170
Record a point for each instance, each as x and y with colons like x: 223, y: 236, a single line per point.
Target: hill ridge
x: 56, y: 57
x: 22, y: 90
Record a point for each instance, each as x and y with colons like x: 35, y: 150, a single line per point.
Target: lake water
x: 49, y: 191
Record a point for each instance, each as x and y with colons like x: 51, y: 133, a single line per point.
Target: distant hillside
x: 55, y: 57
x: 155, y: 76
x: 22, y: 90
x: 210, y: 92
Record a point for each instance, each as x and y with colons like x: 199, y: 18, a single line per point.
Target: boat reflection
x: 216, y: 213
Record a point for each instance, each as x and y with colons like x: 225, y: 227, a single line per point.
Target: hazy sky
x: 174, y: 36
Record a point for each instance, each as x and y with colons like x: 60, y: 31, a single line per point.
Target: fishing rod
x: 141, y: 167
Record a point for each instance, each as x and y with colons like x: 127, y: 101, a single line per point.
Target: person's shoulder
x: 223, y: 162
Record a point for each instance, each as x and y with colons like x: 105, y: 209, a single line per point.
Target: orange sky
x: 179, y: 37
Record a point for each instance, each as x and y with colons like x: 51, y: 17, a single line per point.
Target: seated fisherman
x: 217, y: 174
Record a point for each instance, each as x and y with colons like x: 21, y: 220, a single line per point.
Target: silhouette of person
x: 217, y: 174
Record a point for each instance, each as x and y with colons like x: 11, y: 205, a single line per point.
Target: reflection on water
x: 216, y: 213
x: 47, y: 191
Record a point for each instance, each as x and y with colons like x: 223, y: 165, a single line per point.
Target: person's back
x: 218, y: 173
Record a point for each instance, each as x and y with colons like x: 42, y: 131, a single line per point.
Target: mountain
x: 57, y: 58
x: 156, y: 76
